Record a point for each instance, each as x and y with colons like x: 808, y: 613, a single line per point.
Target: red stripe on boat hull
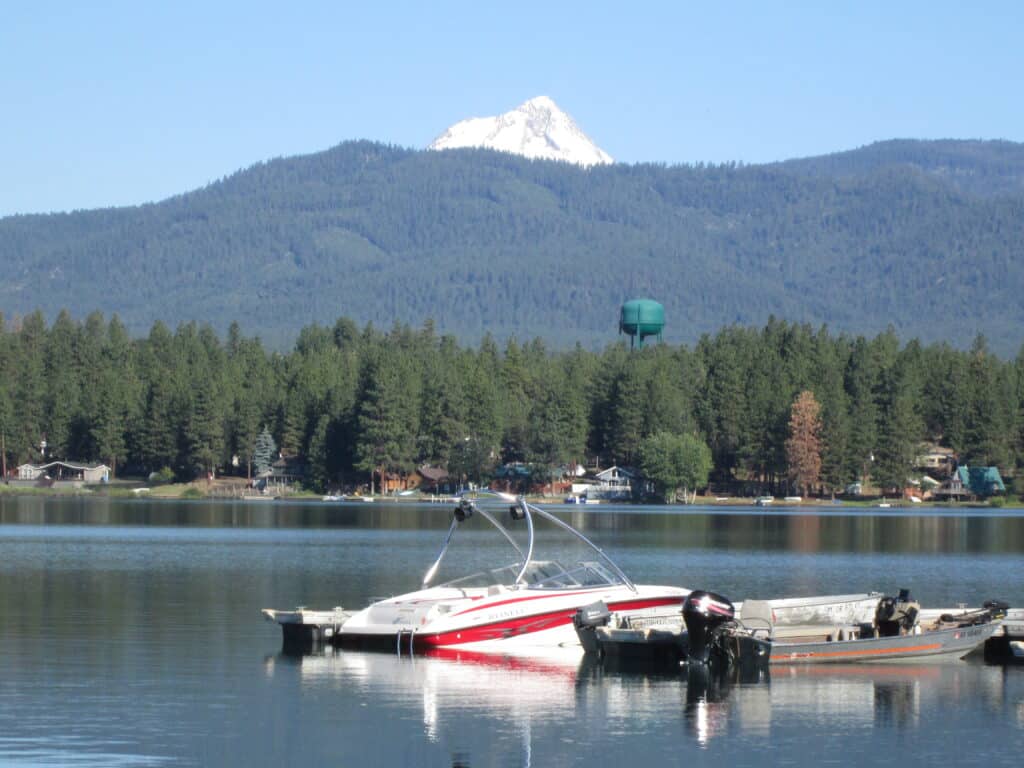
x: 524, y: 625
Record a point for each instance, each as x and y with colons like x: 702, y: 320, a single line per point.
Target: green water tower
x: 641, y: 318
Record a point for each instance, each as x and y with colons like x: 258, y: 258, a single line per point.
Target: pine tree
x: 317, y: 473
x: 443, y: 405
x: 900, y: 428
x: 388, y: 416
x: 30, y: 388
x: 725, y: 396
x: 7, y: 377
x: 157, y: 441
x: 62, y: 388
x: 516, y: 390
x: 828, y: 366
x: 202, y: 433
x: 863, y: 418
x: 557, y: 424
x: 265, y: 452
x: 109, y: 423
x: 988, y: 435
x: 627, y: 415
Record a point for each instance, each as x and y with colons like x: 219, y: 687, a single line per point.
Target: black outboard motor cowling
x: 593, y: 615
x: 586, y: 620
x: 705, y: 613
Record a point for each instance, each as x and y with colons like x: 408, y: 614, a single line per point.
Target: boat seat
x: 496, y: 589
x: 758, y: 617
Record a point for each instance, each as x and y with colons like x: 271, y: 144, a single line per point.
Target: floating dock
x: 305, y: 631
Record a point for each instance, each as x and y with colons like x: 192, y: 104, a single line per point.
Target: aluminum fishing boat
x: 931, y: 644
x: 894, y: 630
x: 530, y: 603
x: 897, y: 633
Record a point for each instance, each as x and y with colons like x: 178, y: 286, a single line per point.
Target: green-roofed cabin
x: 981, y: 481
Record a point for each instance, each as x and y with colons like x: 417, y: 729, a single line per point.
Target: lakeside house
x: 971, y: 483
x: 611, y: 484
x: 615, y: 483
x: 935, y: 459
x: 434, y: 480
x: 286, y: 471
x: 513, y: 477
x: 66, y: 473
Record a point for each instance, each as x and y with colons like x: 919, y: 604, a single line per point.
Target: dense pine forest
x: 925, y: 236
x: 348, y: 400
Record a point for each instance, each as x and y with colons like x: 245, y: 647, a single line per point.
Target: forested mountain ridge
x: 923, y: 236
x: 985, y: 168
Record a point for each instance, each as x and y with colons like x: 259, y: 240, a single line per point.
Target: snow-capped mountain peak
x: 536, y: 129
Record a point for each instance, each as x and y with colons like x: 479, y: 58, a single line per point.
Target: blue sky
x: 119, y: 103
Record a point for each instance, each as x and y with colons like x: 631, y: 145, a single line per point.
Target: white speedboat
x: 530, y: 603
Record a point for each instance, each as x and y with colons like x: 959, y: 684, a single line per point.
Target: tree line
x: 349, y: 400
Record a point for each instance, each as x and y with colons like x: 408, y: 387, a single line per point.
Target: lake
x: 131, y: 634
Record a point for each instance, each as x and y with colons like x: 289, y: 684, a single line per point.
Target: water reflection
x: 453, y: 690
x: 708, y: 703
x: 535, y: 697
x: 922, y: 530
x: 131, y: 631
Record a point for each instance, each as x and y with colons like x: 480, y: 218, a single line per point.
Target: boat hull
x: 953, y: 643
x: 512, y: 620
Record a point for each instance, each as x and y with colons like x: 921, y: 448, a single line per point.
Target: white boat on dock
x: 530, y: 603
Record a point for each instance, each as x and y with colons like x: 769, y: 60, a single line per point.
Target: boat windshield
x: 588, y: 574
x: 541, y: 574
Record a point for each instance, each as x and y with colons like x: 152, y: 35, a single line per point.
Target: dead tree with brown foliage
x: 803, y: 448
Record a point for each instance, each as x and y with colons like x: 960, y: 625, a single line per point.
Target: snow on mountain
x: 536, y: 129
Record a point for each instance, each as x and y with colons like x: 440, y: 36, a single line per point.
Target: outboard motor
x: 991, y: 610
x: 996, y: 609
x: 896, y: 615
x: 706, y: 615
x: 593, y: 615
x: 586, y: 619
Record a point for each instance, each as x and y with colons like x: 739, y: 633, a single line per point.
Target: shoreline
x: 195, y: 492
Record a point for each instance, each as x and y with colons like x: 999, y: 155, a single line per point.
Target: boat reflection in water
x: 536, y: 699
x: 708, y: 700
x: 893, y: 695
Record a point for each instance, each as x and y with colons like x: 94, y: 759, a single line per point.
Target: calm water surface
x: 130, y: 634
